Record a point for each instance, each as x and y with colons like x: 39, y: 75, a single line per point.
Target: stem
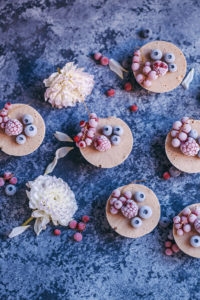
x: 86, y: 107
x: 138, y: 180
x: 27, y: 221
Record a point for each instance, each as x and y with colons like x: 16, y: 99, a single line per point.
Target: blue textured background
x: 35, y: 38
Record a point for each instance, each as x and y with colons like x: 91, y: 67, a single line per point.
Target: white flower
x: 51, y: 199
x: 68, y: 86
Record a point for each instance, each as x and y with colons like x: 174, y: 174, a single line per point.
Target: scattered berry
x: 85, y: 219
x: 78, y: 237
x: 81, y: 226
x: 27, y: 119
x: 175, y: 248
x: 145, y: 212
x: 104, y: 61
x: 2, y: 182
x: 145, y: 33
x: 10, y: 190
x: 115, y: 140
x: 72, y: 224
x: 13, y: 180
x: 174, y: 172
x: 110, y: 93
x: 97, y: 56
x: 134, y: 108
x: 118, y: 130
x: 168, y: 244
x: 195, y: 241
x: 164, y: 222
x: 168, y: 252
x: 166, y: 175
x: 136, y: 222
x: 30, y: 130
x: 57, y: 232
x: 169, y: 57
x: 156, y: 54
x: 7, y: 175
x: 128, y: 87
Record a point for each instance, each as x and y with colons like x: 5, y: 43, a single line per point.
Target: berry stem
x: 27, y: 221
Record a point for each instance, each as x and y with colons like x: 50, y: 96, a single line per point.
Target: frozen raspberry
x: 147, y: 83
x: 160, y: 67
x: 140, y: 78
x: 175, y: 248
x: 130, y: 209
x: 134, y: 108
x: 57, y: 232
x: 186, y: 128
x: 93, y: 123
x: 137, y: 53
x: 97, y: 56
x: 187, y: 228
x: 197, y: 225
x: 7, y: 175
x: 118, y: 204
x: 110, y: 93
x: 82, y: 144
x: 168, y: 244
x: 90, y: 133
x: 180, y: 232
x: 127, y: 194
x: 88, y: 141
x: 78, y: 237
x: 178, y: 225
x: 168, y: 251
x: 146, y: 70
x: 85, y: 219
x: 123, y: 199
x: 182, y: 136
x: 192, y: 218
x: 196, y: 211
x: 185, y: 120
x: 5, y: 119
x: 184, y: 220
x: 112, y: 200
x: 177, y: 125
x: 13, y: 180
x: 104, y: 61
x: 13, y: 127
x: 176, y: 219
x: 128, y: 87
x: 113, y: 210
x: 152, y: 75
x: 190, y: 147
x: 1, y: 119
x: 76, y: 139
x: 73, y: 224
x: 166, y: 175
x: 8, y: 105
x: 82, y: 123
x: 3, y: 112
x: 186, y: 212
x: 176, y: 143
x: 93, y: 116
x: 2, y: 182
x: 135, y: 67
x: 116, y: 193
x: 136, y: 59
x: 102, y: 143
x: 81, y: 226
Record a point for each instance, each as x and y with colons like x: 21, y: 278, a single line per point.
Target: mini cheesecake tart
x: 8, y: 143
x: 169, y: 67
x: 104, y: 151
x: 139, y: 213
x: 184, y: 241
x: 184, y: 160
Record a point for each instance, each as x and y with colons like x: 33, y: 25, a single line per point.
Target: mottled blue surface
x: 35, y: 38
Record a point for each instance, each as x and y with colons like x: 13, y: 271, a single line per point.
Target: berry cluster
x: 114, y: 133
x: 173, y: 172
x: 10, y: 189
x: 185, y: 137
x: 171, y: 247
x: 4, y: 115
x: 75, y: 225
x: 183, y: 223
x: 104, y: 61
x: 152, y: 70
x: 129, y: 208
x: 88, y: 130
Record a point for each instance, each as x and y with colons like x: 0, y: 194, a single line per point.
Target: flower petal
x: 18, y: 230
x: 116, y: 67
x: 62, y: 137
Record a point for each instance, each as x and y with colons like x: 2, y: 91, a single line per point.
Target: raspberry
x: 160, y: 67
x: 104, y: 61
x: 5, y: 119
x: 57, y: 232
x: 140, y: 78
x: 76, y: 139
x: 7, y: 175
x: 93, y: 123
x: 128, y: 87
x: 175, y: 248
x: 8, y: 105
x: 13, y: 180
x: 168, y: 252
x: 81, y: 226
x: 72, y: 224
x: 13, y: 127
x: 134, y: 108
x: 102, y: 143
x: 135, y: 66
x: 82, y: 144
x: 166, y: 175
x: 130, y: 209
x: 110, y: 93
x: 2, y: 182
x: 197, y: 225
x: 136, y: 59
x: 97, y: 56
x: 3, y: 112
x: 1, y: 119
x: 85, y: 219
x: 82, y: 123
x: 190, y: 147
x: 78, y: 237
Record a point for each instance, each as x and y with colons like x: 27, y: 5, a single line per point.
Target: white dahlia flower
x: 68, y: 86
x: 52, y: 200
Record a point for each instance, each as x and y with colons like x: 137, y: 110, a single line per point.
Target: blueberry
x: 172, y: 67
x: 118, y: 130
x: 145, y: 212
x: 20, y: 139
x: 107, y: 130
x: 145, y: 33
x: 136, y: 222
x: 27, y: 119
x: 169, y: 58
x: 174, y: 172
x: 193, y: 134
x: 115, y: 140
x: 164, y: 222
x: 30, y: 130
x: 195, y: 241
x: 10, y: 190
x: 139, y: 196
x: 156, y: 54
